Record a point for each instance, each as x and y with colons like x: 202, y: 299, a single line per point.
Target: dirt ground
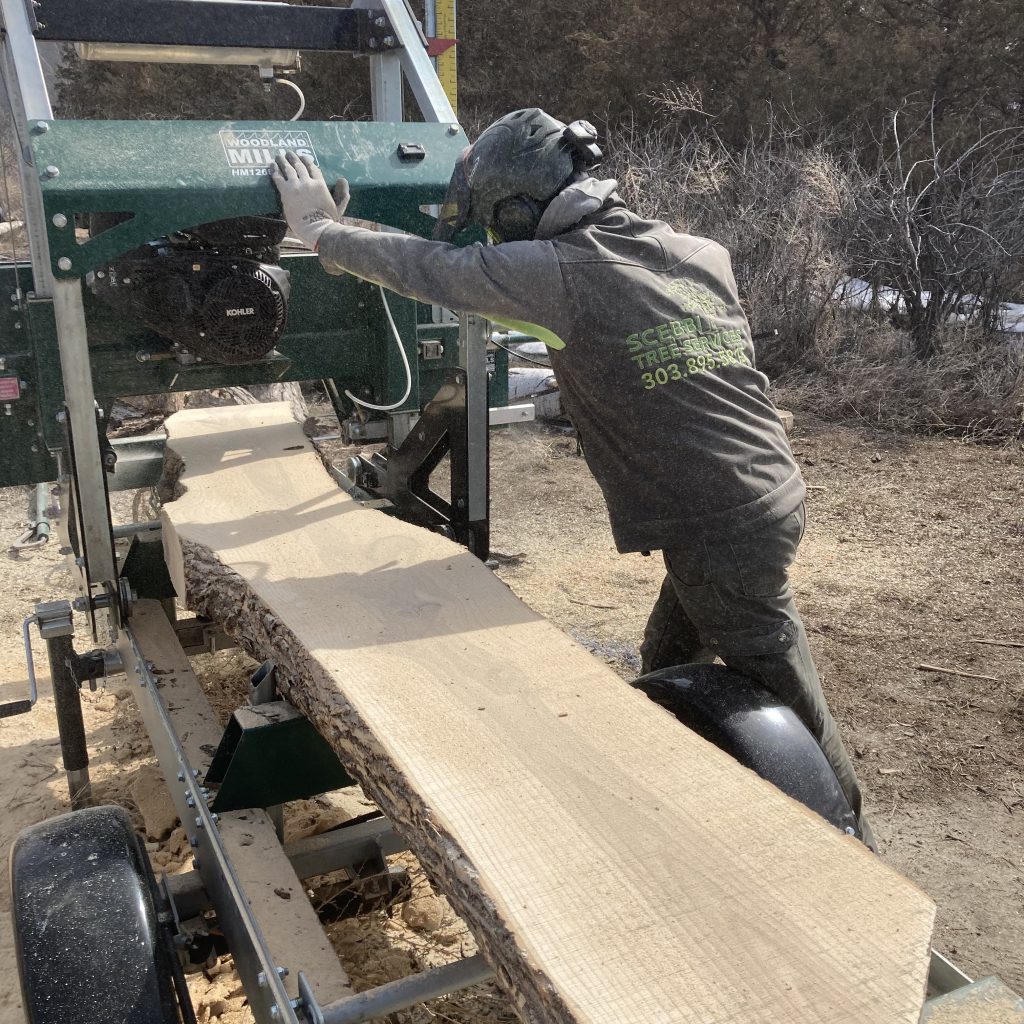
x: 912, y: 555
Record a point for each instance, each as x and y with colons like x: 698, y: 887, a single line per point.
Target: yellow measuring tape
x: 447, y: 62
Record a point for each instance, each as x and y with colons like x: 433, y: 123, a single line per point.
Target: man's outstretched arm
x: 517, y: 281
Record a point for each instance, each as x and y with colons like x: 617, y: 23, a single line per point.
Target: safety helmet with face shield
x: 505, y: 180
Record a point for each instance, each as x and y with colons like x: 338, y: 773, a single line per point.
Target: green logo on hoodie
x: 695, y: 297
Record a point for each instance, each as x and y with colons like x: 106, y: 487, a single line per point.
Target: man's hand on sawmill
x: 308, y: 204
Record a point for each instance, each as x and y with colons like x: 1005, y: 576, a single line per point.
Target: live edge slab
x: 613, y: 866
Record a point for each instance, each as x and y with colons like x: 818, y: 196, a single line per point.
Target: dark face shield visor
x: 454, y: 213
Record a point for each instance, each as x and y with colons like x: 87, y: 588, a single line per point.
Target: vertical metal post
x: 474, y: 332
x: 97, y: 548
x: 23, y: 76
x: 385, y: 80
x: 386, y: 87
x: 68, y: 700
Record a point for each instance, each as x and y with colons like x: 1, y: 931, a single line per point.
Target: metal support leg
x: 471, y: 453
x: 68, y: 699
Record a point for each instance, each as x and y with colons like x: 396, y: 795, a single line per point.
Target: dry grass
x: 974, y: 388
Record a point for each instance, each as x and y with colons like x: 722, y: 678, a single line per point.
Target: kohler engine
x: 216, y: 290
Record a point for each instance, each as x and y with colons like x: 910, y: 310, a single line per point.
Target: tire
x: 750, y: 723
x: 90, y: 949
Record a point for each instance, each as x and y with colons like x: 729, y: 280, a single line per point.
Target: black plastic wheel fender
x: 85, y: 923
x: 749, y: 722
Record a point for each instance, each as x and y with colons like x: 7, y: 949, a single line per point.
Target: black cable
x: 536, y: 362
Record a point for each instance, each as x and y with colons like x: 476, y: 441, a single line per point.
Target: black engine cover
x: 221, y: 306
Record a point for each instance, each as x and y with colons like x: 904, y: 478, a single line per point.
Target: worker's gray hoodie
x: 650, y: 347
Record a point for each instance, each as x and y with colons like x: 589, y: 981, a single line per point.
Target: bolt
x: 453, y: 129
x: 80, y: 561
x: 282, y: 972
x: 195, y: 863
x: 195, y: 773
x: 372, y: 44
x: 199, y: 822
x: 63, y: 263
x: 421, y: 436
x: 458, y: 378
x: 275, y: 1012
x: 17, y: 327
x: 381, y: 22
x: 181, y: 776
x: 461, y: 503
x: 194, y: 841
x: 51, y: 171
x: 41, y: 126
x: 261, y: 979
x: 35, y: 447
x: 59, y: 220
x: 389, y: 41
x: 190, y: 800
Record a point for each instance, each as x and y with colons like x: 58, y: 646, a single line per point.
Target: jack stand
x: 68, y: 671
x: 68, y: 700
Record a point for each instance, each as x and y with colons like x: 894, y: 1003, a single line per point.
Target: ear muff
x: 516, y: 219
x: 582, y: 139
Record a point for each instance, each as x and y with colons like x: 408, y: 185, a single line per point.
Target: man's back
x: 657, y: 373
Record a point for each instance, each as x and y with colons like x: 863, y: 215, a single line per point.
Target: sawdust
x: 912, y: 549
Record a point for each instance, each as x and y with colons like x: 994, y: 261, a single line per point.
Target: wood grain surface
x: 613, y: 866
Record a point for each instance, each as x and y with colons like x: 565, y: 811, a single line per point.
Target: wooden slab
x: 614, y: 867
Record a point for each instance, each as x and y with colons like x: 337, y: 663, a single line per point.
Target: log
x: 613, y: 866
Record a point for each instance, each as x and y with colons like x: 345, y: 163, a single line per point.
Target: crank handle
x: 19, y: 707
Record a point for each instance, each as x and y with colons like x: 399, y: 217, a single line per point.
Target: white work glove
x: 308, y: 204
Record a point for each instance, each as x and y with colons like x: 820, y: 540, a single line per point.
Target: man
x: 656, y: 369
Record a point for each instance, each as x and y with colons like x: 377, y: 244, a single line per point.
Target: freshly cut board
x: 613, y: 866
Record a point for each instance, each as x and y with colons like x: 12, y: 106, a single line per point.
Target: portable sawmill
x: 158, y: 263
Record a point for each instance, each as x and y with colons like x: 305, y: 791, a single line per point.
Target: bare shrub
x: 943, y: 227
x: 798, y: 218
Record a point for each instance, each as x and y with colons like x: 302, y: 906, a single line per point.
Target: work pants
x: 732, y: 599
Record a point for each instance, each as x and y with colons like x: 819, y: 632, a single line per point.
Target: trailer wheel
x: 90, y: 948
x: 749, y: 722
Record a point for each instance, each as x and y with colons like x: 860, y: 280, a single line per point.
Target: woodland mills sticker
x: 250, y: 152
